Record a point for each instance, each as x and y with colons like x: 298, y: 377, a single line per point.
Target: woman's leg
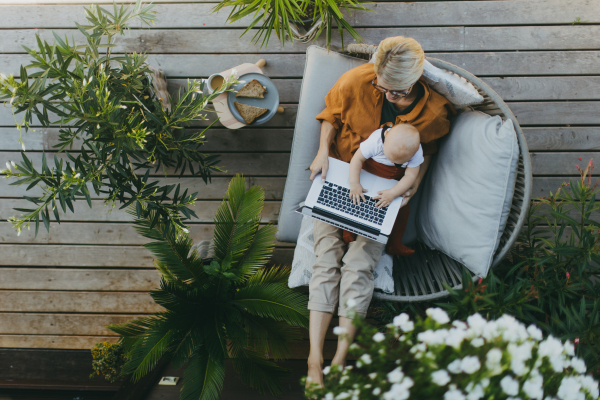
x: 323, y: 292
x: 357, y: 285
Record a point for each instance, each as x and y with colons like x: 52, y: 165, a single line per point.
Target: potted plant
x: 282, y: 17
x: 223, y: 307
x: 109, y: 107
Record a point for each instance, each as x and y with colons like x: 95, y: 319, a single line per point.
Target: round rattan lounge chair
x: 420, y: 277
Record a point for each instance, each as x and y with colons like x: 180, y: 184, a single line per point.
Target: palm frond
x: 188, y: 343
x: 203, y: 378
x: 174, y: 297
x: 266, y: 335
x: 259, y: 251
x: 278, y: 274
x: 273, y: 301
x: 256, y: 371
x: 236, y: 220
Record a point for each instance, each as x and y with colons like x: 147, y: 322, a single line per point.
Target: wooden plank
x: 525, y: 63
x: 96, y: 233
x: 253, y: 164
x: 204, y: 209
x: 560, y: 163
x: 78, y: 279
x: 545, y: 88
x: 479, y: 13
x: 60, y: 324
x: 542, y: 186
x: 217, y: 140
x: 557, y: 113
x: 49, y: 370
x: 563, y: 138
x: 574, y: 37
x: 532, y: 63
x: 168, y: 41
x: 77, y: 302
x: 94, y: 256
x: 215, y: 190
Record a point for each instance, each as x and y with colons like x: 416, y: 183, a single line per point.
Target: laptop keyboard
x: 337, y: 197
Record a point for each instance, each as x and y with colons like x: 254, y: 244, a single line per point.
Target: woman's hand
x: 410, y: 192
x: 385, y: 197
x: 319, y: 164
x: 356, y: 193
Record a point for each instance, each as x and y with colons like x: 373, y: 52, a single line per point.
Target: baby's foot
x: 401, y: 250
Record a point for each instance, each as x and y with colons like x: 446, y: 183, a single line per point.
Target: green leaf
x: 203, y: 378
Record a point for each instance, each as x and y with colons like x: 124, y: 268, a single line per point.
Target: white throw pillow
x: 456, y: 89
x: 468, y: 191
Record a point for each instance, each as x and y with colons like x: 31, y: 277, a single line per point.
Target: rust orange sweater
x: 354, y: 106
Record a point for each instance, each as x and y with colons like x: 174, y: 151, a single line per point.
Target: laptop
x: 329, y: 202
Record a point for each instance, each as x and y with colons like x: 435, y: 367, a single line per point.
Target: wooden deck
x: 59, y: 291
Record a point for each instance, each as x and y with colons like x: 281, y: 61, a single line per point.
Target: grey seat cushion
x: 322, y: 70
x: 468, y: 190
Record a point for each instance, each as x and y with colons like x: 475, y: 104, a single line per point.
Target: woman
x: 390, y: 90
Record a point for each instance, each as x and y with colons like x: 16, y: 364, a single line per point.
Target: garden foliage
x: 108, y: 360
x: 435, y: 359
x: 549, y: 279
x: 227, y: 307
x: 114, y: 131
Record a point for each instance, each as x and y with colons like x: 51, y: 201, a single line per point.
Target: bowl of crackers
x: 254, y: 99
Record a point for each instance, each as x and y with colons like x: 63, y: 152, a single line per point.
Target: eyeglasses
x: 394, y: 93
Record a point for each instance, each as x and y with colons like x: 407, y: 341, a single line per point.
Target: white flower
x: 372, y: 375
x: 403, y: 322
x: 440, y: 377
x: 23, y: 146
x: 366, y: 358
x: 470, y: 364
x: 518, y: 367
x: 494, y: 357
x: 342, y: 396
x: 185, y: 230
x: 569, y: 389
x: 590, y: 385
x: 477, y: 342
x: 351, y: 303
x: 550, y: 347
x: 76, y: 175
x: 438, y: 315
x: 376, y: 391
x: 558, y: 363
x: 234, y: 72
x: 476, y: 322
x: 397, y: 392
x: 13, y: 164
x: 338, y: 330
x: 329, y: 396
x: 326, y: 370
x: 454, y: 395
x: 379, y: 337
x: 395, y: 376
x: 459, y: 325
x: 123, y: 106
x: 510, y: 386
x: 455, y: 338
x: 533, y: 387
x: 485, y: 382
x: 569, y: 348
x: 476, y: 393
x: 433, y: 338
x: 578, y: 365
x: 454, y: 367
x: 535, y: 332
x: 8, y: 166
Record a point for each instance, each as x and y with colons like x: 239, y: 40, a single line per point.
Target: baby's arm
x: 356, y: 189
x: 387, y: 196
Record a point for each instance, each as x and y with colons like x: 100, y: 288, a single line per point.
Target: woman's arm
x: 356, y: 189
x: 387, y: 196
x: 321, y: 162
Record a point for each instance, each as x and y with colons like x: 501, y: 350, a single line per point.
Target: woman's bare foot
x: 315, y: 373
x: 338, y: 361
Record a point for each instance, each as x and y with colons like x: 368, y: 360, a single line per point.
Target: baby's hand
x: 385, y: 198
x: 356, y: 193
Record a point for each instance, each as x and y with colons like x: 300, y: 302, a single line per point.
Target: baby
x: 391, y: 153
x: 397, y: 146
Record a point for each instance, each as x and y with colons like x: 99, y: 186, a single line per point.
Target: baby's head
x: 401, y: 143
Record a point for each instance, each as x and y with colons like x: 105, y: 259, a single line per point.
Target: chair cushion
x: 322, y: 70
x: 467, y: 194
x: 455, y: 88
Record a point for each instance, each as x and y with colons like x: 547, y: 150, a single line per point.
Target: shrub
x: 434, y: 359
x: 108, y: 360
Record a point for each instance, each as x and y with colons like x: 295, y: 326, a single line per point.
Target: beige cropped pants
x: 342, y: 271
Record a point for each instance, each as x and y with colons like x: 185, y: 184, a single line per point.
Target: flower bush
x: 548, y: 279
x: 434, y: 358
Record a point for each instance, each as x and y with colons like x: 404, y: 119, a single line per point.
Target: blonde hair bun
x: 399, y: 61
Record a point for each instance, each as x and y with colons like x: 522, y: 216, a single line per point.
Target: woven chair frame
x: 420, y: 277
